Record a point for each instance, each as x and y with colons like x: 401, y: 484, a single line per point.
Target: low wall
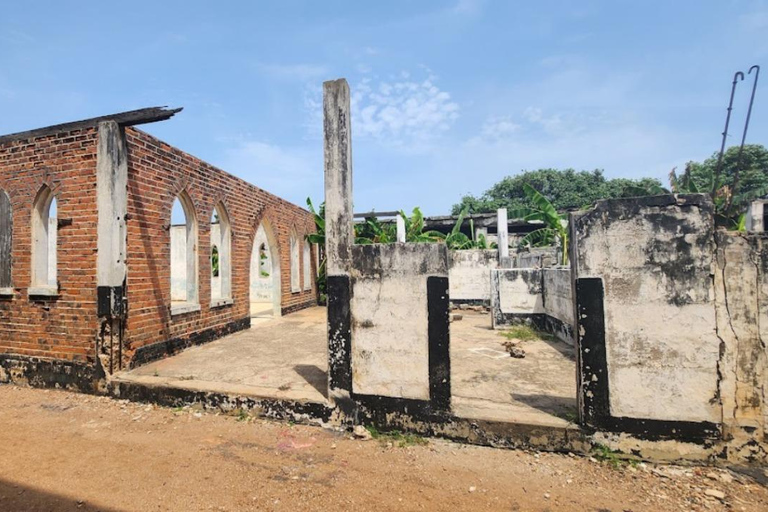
x: 469, y: 274
x: 541, y: 257
x: 541, y: 297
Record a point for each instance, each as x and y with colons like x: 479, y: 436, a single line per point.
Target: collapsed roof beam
x: 130, y: 118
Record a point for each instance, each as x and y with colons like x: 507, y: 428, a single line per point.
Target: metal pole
x: 725, y: 132
x: 746, y: 127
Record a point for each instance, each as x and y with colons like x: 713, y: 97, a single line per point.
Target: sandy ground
x: 287, y: 358
x: 65, y: 451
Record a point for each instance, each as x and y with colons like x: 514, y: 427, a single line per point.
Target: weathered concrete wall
x: 654, y: 256
x: 741, y: 290
x: 470, y: 274
x: 558, y: 301
x: 388, y: 322
x: 389, y: 307
x: 541, y: 297
x: 538, y: 257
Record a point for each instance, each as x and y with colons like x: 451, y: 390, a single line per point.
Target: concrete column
x: 112, y: 202
x: 400, y: 229
x: 339, y: 233
x: 501, y: 230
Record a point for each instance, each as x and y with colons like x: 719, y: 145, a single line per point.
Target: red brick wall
x: 64, y: 327
x: 157, y: 173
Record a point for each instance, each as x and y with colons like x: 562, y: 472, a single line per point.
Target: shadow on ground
x: 315, y: 376
x: 22, y: 497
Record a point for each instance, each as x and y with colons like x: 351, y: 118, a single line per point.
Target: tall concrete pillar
x: 339, y: 232
x: 400, y: 229
x: 339, y: 236
x: 503, y: 237
x: 112, y: 202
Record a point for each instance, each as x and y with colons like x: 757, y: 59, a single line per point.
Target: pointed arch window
x: 221, y: 250
x: 184, y: 293
x: 6, y: 243
x: 44, y: 244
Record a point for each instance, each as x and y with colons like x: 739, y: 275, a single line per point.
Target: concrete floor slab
x: 276, y: 358
x: 286, y: 358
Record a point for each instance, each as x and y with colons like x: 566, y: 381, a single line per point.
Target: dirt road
x: 64, y: 451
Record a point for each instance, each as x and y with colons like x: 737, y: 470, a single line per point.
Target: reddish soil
x: 65, y: 451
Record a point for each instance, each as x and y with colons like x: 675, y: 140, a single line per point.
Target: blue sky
x: 448, y: 97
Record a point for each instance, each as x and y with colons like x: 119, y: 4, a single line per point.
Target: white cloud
x: 402, y: 112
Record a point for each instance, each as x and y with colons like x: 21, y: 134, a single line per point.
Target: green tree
x: 565, y: 189
x: 752, y: 173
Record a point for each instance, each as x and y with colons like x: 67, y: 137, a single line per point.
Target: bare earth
x: 66, y: 451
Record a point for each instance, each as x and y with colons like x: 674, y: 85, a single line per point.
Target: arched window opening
x: 6, y: 242
x: 183, y: 255
x: 265, y: 300
x: 221, y: 280
x: 307, y: 266
x: 44, y: 243
x: 294, y: 244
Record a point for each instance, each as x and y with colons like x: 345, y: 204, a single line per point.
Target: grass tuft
x: 524, y: 333
x: 396, y: 437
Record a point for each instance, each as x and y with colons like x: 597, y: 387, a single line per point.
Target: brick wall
x: 63, y: 327
x: 66, y: 327
x: 157, y: 173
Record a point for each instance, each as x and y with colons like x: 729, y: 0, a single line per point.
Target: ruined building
x: 93, y: 276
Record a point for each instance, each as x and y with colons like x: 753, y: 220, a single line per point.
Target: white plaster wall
x: 53, y: 234
x: 755, y: 216
x: 661, y: 345
x: 179, y: 263
x: 390, y: 351
x: 295, y: 284
x: 307, y: 266
x: 470, y: 274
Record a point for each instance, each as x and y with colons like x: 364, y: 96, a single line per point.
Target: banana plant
x: 414, y: 228
x: 555, y: 229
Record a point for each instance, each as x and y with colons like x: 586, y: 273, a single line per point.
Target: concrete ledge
x: 43, y: 291
x: 219, y: 303
x: 174, y: 396
x: 6, y: 292
x: 181, y: 309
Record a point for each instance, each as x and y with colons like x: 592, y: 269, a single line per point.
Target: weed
x: 570, y: 416
x: 605, y: 454
x: 242, y: 415
x: 524, y: 333
x: 396, y: 437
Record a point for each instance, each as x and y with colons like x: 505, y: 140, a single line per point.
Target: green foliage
x: 215, y: 261
x: 729, y: 196
x: 565, y: 189
x: 555, y: 229
x: 522, y: 333
x: 396, y: 437
x: 414, y: 228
